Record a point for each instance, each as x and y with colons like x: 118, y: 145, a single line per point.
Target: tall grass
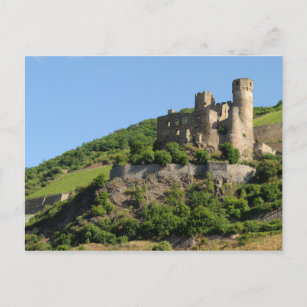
x: 69, y: 182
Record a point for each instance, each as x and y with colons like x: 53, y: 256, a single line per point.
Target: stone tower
x: 242, y: 135
x: 203, y: 100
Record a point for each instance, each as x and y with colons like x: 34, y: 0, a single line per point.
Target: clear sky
x: 71, y: 100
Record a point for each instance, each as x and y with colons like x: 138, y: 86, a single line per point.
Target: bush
x: 199, y: 198
x: 99, y: 182
x: 102, y: 205
x: 174, y: 196
x: 91, y: 233
x: 160, y: 221
x: 148, y: 156
x: 180, y: 157
x: 201, y: 156
x: 235, y: 207
x: 172, y: 148
x: 128, y: 227
x: 267, y: 170
x: 138, y: 195
x: 136, y: 147
x: 162, y: 246
x: 162, y: 157
x: 201, y: 221
x: 33, y: 242
x: 229, y: 153
x: 136, y: 158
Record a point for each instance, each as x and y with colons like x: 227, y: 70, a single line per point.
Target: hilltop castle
x: 212, y: 124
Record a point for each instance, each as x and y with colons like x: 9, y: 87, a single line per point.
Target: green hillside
x: 267, y: 119
x: 69, y: 182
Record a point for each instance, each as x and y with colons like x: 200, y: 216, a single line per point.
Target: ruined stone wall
x: 231, y: 173
x: 268, y: 132
x: 37, y: 204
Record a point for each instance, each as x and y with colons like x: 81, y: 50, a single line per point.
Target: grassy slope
x: 69, y: 182
x: 270, y: 118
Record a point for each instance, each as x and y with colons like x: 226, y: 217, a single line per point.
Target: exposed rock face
x: 156, y: 187
x: 234, y: 173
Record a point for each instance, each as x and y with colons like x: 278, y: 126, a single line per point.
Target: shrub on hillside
x: 138, y: 195
x: 137, y: 146
x: 102, y: 205
x: 99, y: 182
x: 268, y: 169
x: 174, y: 196
x: 201, y: 156
x: 160, y: 221
x: 172, y: 148
x: 178, y: 155
x: 201, y: 221
x: 162, y: 157
x: 136, y: 158
x: 33, y: 242
x: 236, y: 207
x: 229, y: 153
x: 162, y: 246
x: 91, y: 233
x: 148, y: 156
x: 128, y: 227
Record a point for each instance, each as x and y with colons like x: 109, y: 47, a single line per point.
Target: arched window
x: 177, y: 132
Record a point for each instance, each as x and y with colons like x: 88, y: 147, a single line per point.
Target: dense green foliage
x: 229, y: 153
x: 162, y: 157
x: 177, y: 153
x: 201, y: 156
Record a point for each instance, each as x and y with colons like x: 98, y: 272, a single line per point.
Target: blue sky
x: 71, y: 100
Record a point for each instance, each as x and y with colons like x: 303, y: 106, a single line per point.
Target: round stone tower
x: 242, y: 90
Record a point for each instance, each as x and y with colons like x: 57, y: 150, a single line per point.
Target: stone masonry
x: 233, y: 173
x: 213, y: 124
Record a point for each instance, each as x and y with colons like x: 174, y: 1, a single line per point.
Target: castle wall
x: 234, y: 173
x: 37, y: 204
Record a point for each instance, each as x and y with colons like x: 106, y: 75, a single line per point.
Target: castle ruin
x: 212, y: 124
